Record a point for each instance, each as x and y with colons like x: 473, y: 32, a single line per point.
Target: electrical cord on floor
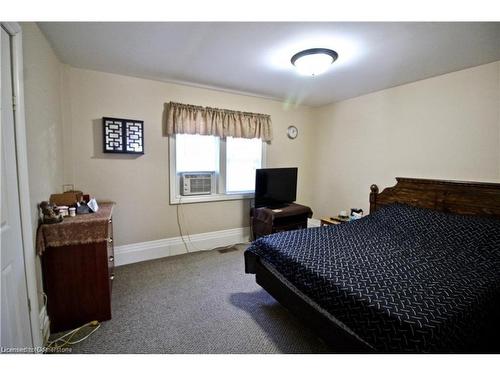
x: 65, y: 339
x: 43, y: 327
x: 180, y: 214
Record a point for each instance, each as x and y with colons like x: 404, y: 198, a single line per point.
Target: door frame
x: 15, y: 31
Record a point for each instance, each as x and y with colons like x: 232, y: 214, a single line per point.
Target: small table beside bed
x: 420, y: 274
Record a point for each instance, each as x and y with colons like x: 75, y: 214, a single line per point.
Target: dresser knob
x: 111, y: 258
x: 112, y: 276
x: 110, y: 240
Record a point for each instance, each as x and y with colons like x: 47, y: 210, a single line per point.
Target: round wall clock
x: 292, y: 132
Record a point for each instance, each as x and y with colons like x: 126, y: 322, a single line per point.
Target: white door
x: 15, y: 329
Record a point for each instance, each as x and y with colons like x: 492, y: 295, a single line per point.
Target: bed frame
x: 459, y: 197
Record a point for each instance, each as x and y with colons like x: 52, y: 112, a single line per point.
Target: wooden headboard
x: 459, y: 197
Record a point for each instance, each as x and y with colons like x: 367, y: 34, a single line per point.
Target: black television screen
x: 275, y: 187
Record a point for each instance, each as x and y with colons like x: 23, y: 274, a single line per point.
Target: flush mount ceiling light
x: 314, y: 61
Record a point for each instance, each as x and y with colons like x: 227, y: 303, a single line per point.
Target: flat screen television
x: 275, y: 187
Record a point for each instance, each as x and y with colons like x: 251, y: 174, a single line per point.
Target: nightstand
x: 333, y: 220
x: 266, y: 221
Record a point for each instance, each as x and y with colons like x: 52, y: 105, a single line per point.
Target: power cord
x: 180, y: 226
x: 251, y: 203
x: 180, y: 214
x: 44, y: 329
x: 65, y: 339
x: 45, y: 298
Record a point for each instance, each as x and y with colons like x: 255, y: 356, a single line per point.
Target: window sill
x: 210, y: 198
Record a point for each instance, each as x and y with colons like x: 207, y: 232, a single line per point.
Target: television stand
x: 266, y: 220
x: 277, y: 206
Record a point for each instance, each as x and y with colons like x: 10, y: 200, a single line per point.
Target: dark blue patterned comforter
x: 403, y: 279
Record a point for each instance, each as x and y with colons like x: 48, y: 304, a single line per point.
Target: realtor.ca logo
x: 36, y: 349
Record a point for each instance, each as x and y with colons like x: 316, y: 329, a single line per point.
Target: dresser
x: 78, y: 268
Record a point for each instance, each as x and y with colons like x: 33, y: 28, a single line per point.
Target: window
x: 232, y: 163
x: 243, y: 157
x: 196, y: 153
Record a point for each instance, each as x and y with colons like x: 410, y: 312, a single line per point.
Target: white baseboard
x: 139, y: 252
x: 44, y: 325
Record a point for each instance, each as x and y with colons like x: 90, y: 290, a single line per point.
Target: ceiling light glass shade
x: 314, y: 61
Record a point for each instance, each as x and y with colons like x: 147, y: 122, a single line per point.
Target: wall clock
x: 292, y: 132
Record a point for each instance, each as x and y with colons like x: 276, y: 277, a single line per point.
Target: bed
x: 420, y: 274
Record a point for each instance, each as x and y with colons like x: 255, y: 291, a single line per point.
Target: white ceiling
x: 255, y: 57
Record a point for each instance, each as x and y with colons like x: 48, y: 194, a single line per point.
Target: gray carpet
x: 196, y: 303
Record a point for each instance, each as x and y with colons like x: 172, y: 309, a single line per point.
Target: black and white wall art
x: 123, y: 136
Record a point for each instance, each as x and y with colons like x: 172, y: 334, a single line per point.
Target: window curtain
x: 190, y: 119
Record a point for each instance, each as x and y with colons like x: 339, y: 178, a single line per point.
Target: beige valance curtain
x: 191, y: 119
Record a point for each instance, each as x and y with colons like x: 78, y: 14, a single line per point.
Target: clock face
x: 292, y: 132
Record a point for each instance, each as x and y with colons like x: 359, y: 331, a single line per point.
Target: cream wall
x: 140, y: 185
x: 42, y: 97
x: 443, y: 127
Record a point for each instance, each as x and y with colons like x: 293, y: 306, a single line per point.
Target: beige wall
x: 443, y: 127
x: 140, y: 185
x: 42, y: 96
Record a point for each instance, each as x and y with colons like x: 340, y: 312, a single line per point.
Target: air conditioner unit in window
x: 196, y: 183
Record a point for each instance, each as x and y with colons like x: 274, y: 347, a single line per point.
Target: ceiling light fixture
x: 314, y: 61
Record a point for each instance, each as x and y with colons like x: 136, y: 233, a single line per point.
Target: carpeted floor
x: 201, y: 302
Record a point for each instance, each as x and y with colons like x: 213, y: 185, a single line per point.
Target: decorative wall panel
x: 123, y: 136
